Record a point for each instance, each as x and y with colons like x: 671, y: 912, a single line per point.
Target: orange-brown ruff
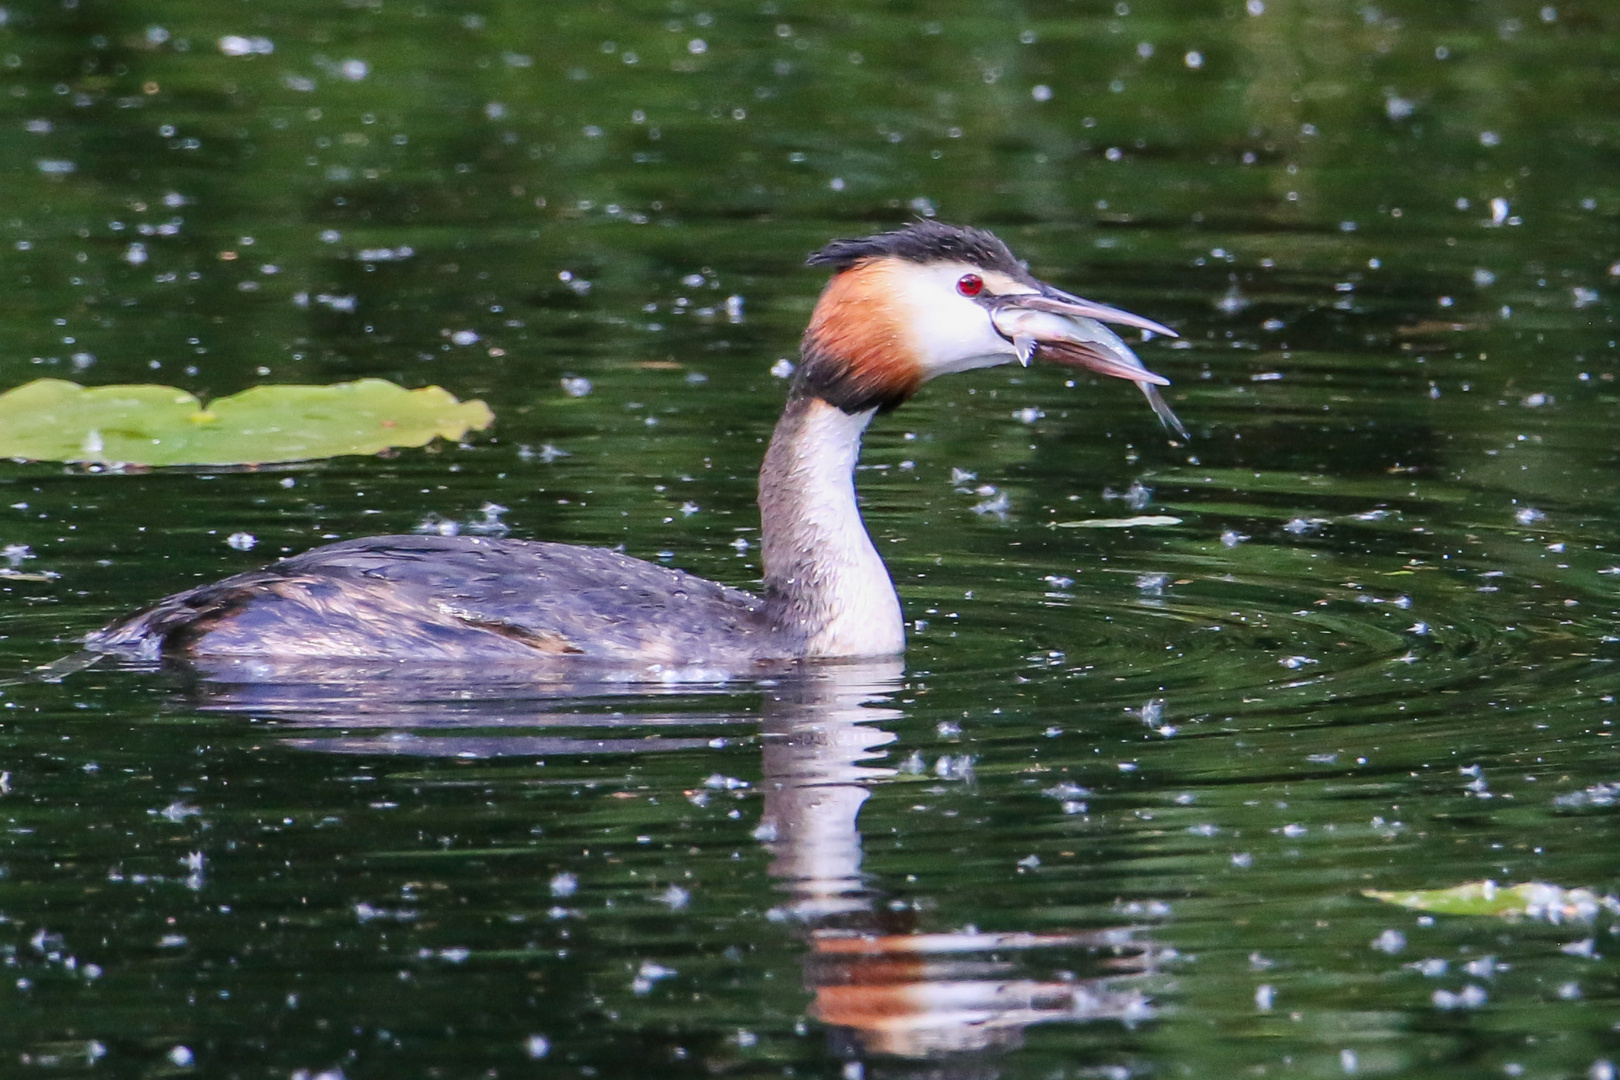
x: 857, y: 347
x: 901, y: 308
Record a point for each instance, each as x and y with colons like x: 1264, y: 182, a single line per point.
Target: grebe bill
x: 901, y: 308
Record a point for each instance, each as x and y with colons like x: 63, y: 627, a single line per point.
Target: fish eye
x: 970, y: 284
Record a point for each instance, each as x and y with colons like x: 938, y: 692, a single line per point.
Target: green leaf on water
x: 1530, y: 899
x: 53, y: 420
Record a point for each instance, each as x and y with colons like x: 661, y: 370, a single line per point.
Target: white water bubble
x: 237, y: 45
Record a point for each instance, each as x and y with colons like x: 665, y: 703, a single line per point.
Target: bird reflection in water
x: 884, y: 985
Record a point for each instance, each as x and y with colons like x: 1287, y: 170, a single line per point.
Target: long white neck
x: 822, y: 573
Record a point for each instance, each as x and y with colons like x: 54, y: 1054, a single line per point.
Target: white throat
x: 821, y: 570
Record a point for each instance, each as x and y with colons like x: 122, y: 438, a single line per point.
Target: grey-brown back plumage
x: 457, y: 599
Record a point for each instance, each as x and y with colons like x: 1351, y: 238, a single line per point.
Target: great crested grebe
x: 901, y: 308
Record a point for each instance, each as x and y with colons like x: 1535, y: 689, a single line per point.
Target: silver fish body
x: 1054, y: 328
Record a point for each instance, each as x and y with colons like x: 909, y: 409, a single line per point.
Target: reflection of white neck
x: 822, y: 573
x: 821, y: 742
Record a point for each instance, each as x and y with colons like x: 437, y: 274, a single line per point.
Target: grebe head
x: 930, y: 299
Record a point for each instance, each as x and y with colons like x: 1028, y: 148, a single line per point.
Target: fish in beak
x: 1049, y: 324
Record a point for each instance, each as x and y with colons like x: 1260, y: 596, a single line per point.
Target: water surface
x: 1115, y: 813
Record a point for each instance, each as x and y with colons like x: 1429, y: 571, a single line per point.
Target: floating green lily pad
x: 1530, y: 899
x: 53, y: 420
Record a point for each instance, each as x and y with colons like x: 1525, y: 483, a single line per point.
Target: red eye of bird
x: 970, y: 284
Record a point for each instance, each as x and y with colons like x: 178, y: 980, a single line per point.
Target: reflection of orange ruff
x: 835, y: 943
x: 918, y: 995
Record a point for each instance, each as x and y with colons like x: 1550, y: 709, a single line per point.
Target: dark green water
x: 1117, y: 810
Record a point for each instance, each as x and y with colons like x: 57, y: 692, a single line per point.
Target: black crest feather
x: 923, y: 241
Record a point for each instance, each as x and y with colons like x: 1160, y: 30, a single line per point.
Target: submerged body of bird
x: 901, y: 308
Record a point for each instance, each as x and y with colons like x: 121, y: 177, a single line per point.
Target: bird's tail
x: 57, y: 670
